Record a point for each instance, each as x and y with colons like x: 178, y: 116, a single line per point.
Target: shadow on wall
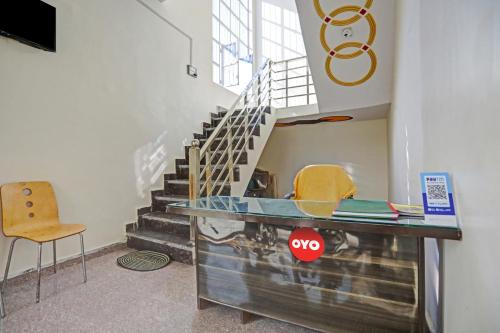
x: 150, y: 162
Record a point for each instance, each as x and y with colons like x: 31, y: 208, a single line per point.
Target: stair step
x: 236, y: 139
x: 234, y: 119
x: 161, y: 200
x: 178, y: 248
x: 183, y: 172
x: 234, y: 128
x: 217, y: 154
x: 207, y: 131
x: 164, y: 218
x: 186, y: 182
x: 267, y: 109
x: 185, y: 166
x: 181, y: 186
x: 171, y: 198
x: 165, y: 223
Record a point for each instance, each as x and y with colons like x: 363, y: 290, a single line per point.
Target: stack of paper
x: 409, y: 210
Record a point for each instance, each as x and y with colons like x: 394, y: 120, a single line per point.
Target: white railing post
x: 230, y: 150
x: 194, y: 182
x: 270, y: 82
x: 208, y: 172
x: 307, y: 81
x: 259, y: 90
x: 246, y: 128
x: 286, y: 83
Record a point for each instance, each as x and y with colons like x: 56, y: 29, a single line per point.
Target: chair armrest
x: 289, y: 195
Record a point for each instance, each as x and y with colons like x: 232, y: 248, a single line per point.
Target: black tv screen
x: 32, y: 22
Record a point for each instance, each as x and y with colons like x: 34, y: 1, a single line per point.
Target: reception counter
x: 369, y: 279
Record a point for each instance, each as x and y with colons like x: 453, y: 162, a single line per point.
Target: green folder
x: 365, y: 209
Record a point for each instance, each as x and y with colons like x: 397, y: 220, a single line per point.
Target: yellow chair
x: 323, y: 182
x: 29, y: 211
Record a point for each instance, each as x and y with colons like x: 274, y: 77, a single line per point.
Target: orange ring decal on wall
x: 336, y: 52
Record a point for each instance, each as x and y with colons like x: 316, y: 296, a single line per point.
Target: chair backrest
x: 27, y: 204
x: 324, y: 182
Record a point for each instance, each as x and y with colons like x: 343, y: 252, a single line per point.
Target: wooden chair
x: 322, y: 182
x: 29, y: 211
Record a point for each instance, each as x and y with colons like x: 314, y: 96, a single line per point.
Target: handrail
x: 233, y: 108
x: 288, y: 70
x: 241, y: 120
x: 237, y: 126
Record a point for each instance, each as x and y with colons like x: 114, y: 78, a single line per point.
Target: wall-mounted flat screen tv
x: 32, y: 22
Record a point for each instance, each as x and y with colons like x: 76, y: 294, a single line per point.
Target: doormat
x: 143, y: 261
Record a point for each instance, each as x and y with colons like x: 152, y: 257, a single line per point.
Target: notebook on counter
x: 368, y: 209
x: 409, y: 210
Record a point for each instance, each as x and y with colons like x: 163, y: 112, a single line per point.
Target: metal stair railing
x: 281, y: 84
x: 212, y: 166
x: 292, y: 83
x: 271, y: 83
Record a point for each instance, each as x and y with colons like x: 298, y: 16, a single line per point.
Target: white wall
x: 359, y: 146
x: 93, y: 117
x: 377, y: 90
x: 456, y: 79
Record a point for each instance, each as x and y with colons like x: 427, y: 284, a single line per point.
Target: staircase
x: 226, y: 143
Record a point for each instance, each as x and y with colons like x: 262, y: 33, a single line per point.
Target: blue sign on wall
x: 437, y: 193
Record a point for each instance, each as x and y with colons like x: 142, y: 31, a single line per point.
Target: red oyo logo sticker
x: 306, y: 244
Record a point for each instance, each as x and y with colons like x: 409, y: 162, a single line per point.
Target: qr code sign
x: 437, y: 192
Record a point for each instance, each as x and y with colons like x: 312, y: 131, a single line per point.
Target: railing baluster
x: 230, y: 150
x: 245, y: 129
x: 254, y: 93
x: 208, y: 173
x: 286, y: 84
x: 270, y: 81
x: 307, y: 82
x: 258, y: 90
x: 194, y: 181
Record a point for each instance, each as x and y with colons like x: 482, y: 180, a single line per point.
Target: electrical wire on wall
x: 191, y: 70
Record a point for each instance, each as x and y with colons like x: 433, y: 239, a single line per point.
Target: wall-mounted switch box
x: 192, y: 71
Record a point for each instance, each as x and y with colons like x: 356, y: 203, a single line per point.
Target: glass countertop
x: 231, y: 207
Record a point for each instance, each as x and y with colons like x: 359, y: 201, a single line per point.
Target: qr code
x: 437, y: 192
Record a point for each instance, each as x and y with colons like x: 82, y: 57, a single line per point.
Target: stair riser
x: 267, y: 109
x: 243, y: 159
x: 165, y: 227
x: 215, y: 145
x: 241, y: 145
x: 161, y: 206
x: 131, y: 227
x: 184, y: 174
x: 183, y: 189
x: 176, y: 254
x: 235, y: 131
x: 251, y: 118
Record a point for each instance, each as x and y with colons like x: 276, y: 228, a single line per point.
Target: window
x: 232, y: 49
x: 281, y: 33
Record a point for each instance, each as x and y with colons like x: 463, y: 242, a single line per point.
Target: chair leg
x: 4, y: 283
x: 54, y: 254
x: 39, y: 270
x: 83, y: 259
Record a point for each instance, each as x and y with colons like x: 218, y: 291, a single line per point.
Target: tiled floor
x: 118, y: 300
